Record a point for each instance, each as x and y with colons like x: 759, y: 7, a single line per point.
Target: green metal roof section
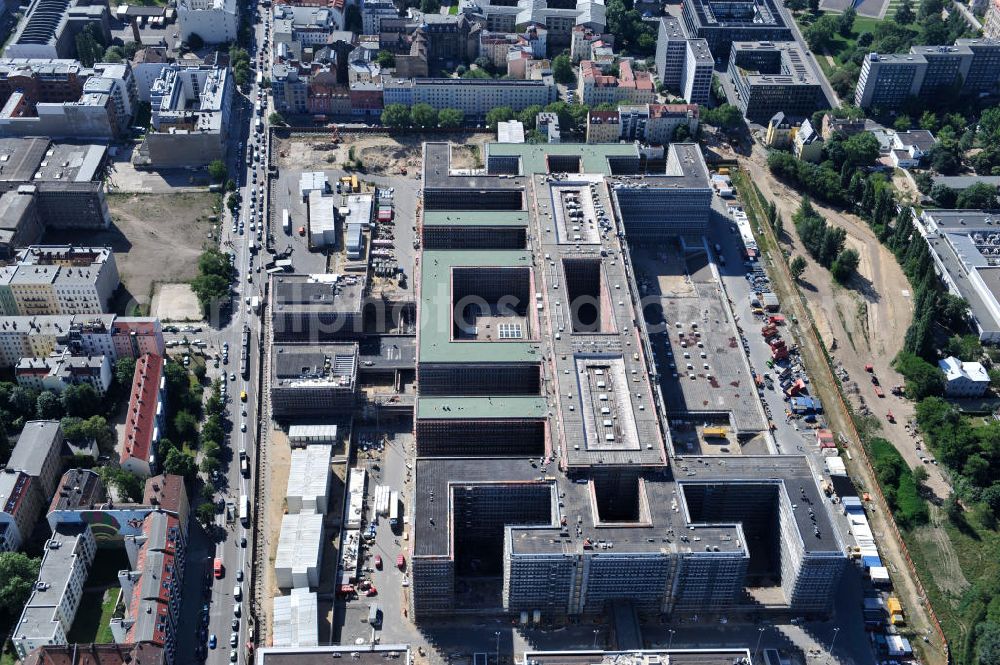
x: 436, y: 345
x: 593, y: 156
x: 475, y: 218
x: 481, y: 407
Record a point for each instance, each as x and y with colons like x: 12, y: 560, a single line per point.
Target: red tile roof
x: 140, y: 420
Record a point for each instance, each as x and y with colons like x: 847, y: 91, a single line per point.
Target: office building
x: 564, y: 505
x: 60, y: 370
x: 55, y: 597
x: 684, y: 64
x: 38, y: 453
x: 970, y: 67
x: 214, y: 21
x: 722, y: 23
x: 313, y: 380
x: 191, y: 108
x: 49, y: 28
x: 629, y: 86
x: 774, y: 76
x: 475, y: 97
x: 145, y: 421
x: 316, y: 308
x: 962, y: 244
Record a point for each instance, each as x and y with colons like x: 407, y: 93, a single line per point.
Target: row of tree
x: 899, y: 487
x: 423, y: 116
x: 215, y: 275
x: 825, y: 243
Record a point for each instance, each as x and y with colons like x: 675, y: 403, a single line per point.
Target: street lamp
x: 597, y: 632
x: 836, y: 631
x: 498, y: 646
x: 760, y: 634
x: 671, y: 641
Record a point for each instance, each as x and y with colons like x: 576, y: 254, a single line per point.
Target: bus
x: 394, y: 509
x: 244, y: 510
x: 286, y: 221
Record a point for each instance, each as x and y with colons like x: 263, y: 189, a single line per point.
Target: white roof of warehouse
x: 321, y: 217
x: 296, y: 621
x: 312, y: 431
x: 300, y: 544
x: 954, y: 368
x: 309, y: 471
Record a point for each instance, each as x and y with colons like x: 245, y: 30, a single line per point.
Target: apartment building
x: 147, y: 66
x: 313, y: 380
x: 59, y: 279
x: 722, y: 23
x: 82, y: 334
x: 21, y: 505
x: 630, y: 86
x: 55, y: 598
x: 604, y: 127
x: 38, y: 453
x: 774, y: 76
x: 191, y: 108
x: 684, y: 64
x: 153, y: 585
x: 650, y: 123
x: 300, y: 30
x: 372, y: 13
x: 558, y: 18
x: 145, y: 420
x: 583, y: 42
x: 289, y: 89
x: 970, y: 67
x: 49, y: 28
x: 476, y: 97
x: 564, y: 506
x: 60, y: 370
x: 215, y: 21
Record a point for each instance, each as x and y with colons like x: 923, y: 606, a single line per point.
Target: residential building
x: 649, y: 123
x: 289, y: 90
x: 629, y: 86
x: 774, y: 76
x: 21, y: 505
x: 191, y: 108
x: 807, y: 144
x: 780, y: 131
x: 61, y: 99
x: 301, y: 30
x: 495, y: 389
x: 603, y: 126
x: 846, y: 126
x: 214, y: 21
x: 583, y: 41
x: 962, y: 244
x: 313, y: 380
x: 38, y: 453
x: 723, y: 23
x: 367, y: 99
x: 143, y: 653
x: 372, y: 13
x: 147, y: 66
x: 62, y: 186
x: 62, y: 370
x: 145, y: 420
x: 476, y: 97
x: 153, y: 584
x: 558, y: 18
x: 55, y: 597
x: 49, y: 28
x: 59, y: 279
x: 964, y: 379
x: 909, y: 148
x: 82, y: 334
x: 684, y: 64
x: 547, y: 123
x: 497, y: 46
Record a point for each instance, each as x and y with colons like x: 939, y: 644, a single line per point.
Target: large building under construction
x: 544, y: 476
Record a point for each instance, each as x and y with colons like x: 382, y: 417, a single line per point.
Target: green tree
x: 18, y: 573
x: 113, y: 54
x: 276, y: 119
x: 904, y: 13
x: 22, y: 402
x: 920, y: 475
x: 423, y: 115
x: 396, y: 116
x: 845, y: 23
x: 902, y: 123
x: 845, y: 265
x: 499, y: 114
x: 48, y: 406
x: 978, y: 196
x: 988, y: 643
x: 797, y: 267
x: 922, y: 379
x: 991, y: 497
x: 929, y: 121
x: 945, y: 158
x: 129, y: 486
x: 861, y: 149
x: 385, y: 59
x: 217, y: 170
x: 206, y: 513
x: 820, y: 34
x: 562, y: 70
x: 476, y: 73
x: 89, y: 48
x: 528, y: 115
x: 724, y: 115
x: 185, y: 426
x: 451, y: 118
x: 180, y: 463
x: 81, y: 400
x: 210, y: 289
x: 944, y: 196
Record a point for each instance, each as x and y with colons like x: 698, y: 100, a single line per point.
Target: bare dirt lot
x: 380, y: 154
x: 157, y: 239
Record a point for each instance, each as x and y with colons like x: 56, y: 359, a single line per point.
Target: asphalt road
x: 226, y: 540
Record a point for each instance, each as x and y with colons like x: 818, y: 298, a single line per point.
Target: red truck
x: 777, y: 320
x: 401, y: 562
x: 218, y: 569
x: 769, y: 331
x: 879, y: 391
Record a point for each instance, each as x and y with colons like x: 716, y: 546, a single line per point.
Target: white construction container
x: 309, y: 479
x: 300, y: 551
x: 296, y: 619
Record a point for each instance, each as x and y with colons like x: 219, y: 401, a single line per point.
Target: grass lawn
x: 839, y: 44
x: 453, y: 9
x: 93, y: 619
